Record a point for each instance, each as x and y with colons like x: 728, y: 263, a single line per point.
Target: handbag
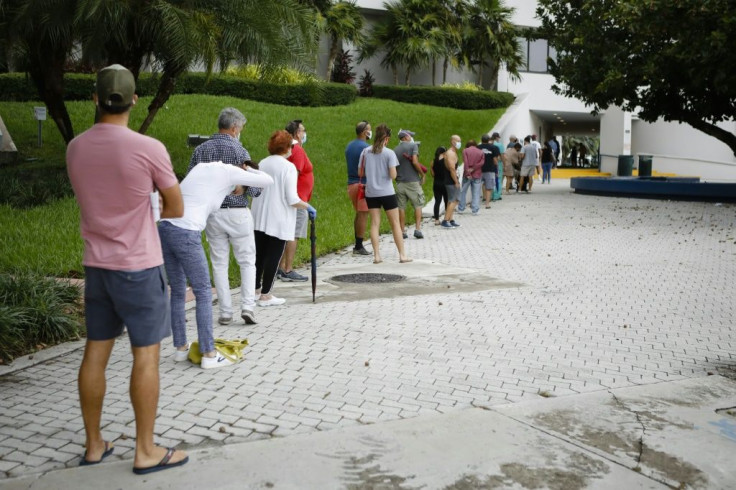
x: 231, y: 349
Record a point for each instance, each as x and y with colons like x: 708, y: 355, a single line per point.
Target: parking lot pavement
x: 602, y: 293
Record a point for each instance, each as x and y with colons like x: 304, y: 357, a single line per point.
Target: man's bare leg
x: 144, y: 391
x: 360, y: 223
x: 418, y: 219
x: 92, y: 386
x: 450, y: 211
x: 402, y: 219
x: 287, y: 259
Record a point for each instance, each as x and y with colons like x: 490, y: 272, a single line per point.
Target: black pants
x: 269, y: 250
x: 440, y: 194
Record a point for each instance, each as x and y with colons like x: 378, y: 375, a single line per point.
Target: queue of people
x: 256, y: 210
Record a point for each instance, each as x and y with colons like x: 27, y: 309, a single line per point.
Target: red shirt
x: 305, y: 181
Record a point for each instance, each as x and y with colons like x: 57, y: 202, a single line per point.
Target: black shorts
x: 139, y: 300
x: 386, y: 202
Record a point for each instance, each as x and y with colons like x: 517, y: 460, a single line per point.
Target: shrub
x: 18, y: 87
x: 279, y: 74
x: 444, y: 96
x: 464, y: 85
x: 365, y: 85
x: 342, y: 70
x: 36, y: 312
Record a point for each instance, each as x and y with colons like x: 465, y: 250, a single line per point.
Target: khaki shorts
x: 527, y: 171
x: 358, y: 205
x: 410, y: 192
x: 301, y: 224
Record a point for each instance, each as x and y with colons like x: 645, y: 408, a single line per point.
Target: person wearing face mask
x: 352, y: 157
x: 232, y: 223
x: 275, y: 214
x: 304, y: 187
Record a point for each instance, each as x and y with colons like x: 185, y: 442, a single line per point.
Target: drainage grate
x: 368, y: 278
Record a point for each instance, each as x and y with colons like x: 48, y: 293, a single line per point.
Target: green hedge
x: 444, y: 96
x: 19, y: 88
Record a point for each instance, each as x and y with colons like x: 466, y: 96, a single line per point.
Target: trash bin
x: 645, y: 165
x: 625, y: 165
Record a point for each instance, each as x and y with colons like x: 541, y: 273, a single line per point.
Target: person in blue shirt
x: 352, y: 158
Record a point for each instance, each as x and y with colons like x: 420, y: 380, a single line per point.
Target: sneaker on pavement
x: 405, y: 236
x: 474, y: 213
x: 460, y: 211
x: 456, y: 225
x: 361, y: 251
x: 181, y: 355
x: 280, y: 274
x: 215, y: 362
x: 248, y: 316
x: 446, y: 224
x: 274, y: 301
x: 225, y: 320
x: 293, y: 276
x: 418, y: 234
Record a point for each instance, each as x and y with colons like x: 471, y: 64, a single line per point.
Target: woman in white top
x: 274, y: 215
x: 202, y: 190
x: 378, y: 165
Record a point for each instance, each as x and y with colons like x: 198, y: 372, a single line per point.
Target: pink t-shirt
x: 113, y: 170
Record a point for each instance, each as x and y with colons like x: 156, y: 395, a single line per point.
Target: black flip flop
x: 108, y: 451
x: 162, y: 465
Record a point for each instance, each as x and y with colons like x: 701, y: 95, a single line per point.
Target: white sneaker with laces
x: 215, y: 362
x: 273, y: 301
x: 181, y: 355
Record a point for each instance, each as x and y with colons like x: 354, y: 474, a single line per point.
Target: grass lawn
x: 46, y: 239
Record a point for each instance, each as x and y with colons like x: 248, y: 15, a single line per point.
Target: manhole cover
x: 368, y: 278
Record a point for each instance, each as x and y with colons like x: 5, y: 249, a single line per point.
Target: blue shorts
x: 139, y: 300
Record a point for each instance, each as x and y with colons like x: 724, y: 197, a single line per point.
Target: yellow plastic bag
x: 231, y: 349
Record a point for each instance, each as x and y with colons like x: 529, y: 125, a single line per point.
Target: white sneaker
x: 274, y: 301
x: 248, y: 317
x: 215, y: 362
x: 181, y: 355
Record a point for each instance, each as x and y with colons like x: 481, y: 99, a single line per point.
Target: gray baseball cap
x: 115, y: 86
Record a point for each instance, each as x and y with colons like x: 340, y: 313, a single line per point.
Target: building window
x: 535, y: 54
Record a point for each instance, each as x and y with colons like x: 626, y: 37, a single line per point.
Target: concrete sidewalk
x: 570, y: 325
x: 669, y: 435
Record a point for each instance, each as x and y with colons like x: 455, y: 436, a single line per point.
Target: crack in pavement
x: 641, y: 423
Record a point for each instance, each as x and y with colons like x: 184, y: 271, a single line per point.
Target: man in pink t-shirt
x: 114, y: 172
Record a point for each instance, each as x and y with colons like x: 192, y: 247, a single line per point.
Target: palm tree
x: 40, y: 35
x: 490, y: 38
x: 342, y: 21
x: 172, y: 35
x: 411, y: 34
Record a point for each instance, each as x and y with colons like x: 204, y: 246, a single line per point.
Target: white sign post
x: 39, y: 114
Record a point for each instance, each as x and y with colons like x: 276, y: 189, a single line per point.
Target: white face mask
x: 288, y: 154
x: 237, y: 136
x: 458, y: 144
x: 411, y: 140
x: 369, y: 135
x: 304, y: 138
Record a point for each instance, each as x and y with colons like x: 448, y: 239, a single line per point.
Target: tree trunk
x: 444, y: 70
x: 396, y: 74
x: 494, y: 77
x: 480, y: 74
x: 407, y: 77
x: 331, y: 58
x: 48, y: 76
x: 712, y: 130
x: 165, y: 89
x: 434, y: 71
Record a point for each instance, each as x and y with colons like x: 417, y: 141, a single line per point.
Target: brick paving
x: 617, y: 292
